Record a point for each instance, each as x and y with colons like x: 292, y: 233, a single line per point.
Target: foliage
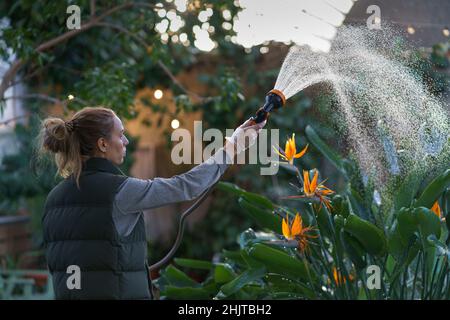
x: 409, y: 245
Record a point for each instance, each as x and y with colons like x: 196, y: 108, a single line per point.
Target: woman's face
x: 116, y: 145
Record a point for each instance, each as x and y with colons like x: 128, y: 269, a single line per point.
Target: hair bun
x: 55, y: 134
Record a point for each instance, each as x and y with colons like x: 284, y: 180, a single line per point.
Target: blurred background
x: 161, y: 65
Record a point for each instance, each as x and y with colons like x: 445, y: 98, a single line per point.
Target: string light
x: 175, y: 124
x: 70, y: 97
x: 158, y: 94
x: 446, y: 32
x: 411, y: 30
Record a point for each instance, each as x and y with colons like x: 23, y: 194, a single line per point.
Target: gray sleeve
x: 140, y: 194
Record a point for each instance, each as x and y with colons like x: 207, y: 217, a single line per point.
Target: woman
x: 93, y: 225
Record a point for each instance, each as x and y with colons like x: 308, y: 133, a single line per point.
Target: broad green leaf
x: 442, y: 248
x: 264, y: 217
x: 420, y: 220
x: 223, y: 273
x: 178, y: 278
x: 403, y: 251
x: 279, y: 262
x: 279, y: 283
x: 434, y: 190
x: 240, y: 281
x: 187, y: 293
x: 354, y: 250
x: 253, y: 198
x: 405, y: 193
x: 234, y: 257
x: 370, y: 236
x: 324, y: 222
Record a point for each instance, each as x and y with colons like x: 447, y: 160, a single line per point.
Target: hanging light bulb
x: 70, y: 97
x: 446, y: 32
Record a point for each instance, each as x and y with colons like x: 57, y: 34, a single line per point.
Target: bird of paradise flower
x: 290, y: 150
x: 296, y: 231
x: 312, y: 188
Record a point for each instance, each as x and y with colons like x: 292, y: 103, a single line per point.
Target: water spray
x: 362, y: 78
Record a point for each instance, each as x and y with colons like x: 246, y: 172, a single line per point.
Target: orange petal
x: 437, y: 209
x: 296, y: 228
x: 301, y: 153
x: 306, y: 187
x: 314, y: 181
x: 288, y: 150
x: 285, y: 228
x: 293, y: 147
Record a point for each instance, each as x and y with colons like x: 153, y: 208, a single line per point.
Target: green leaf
x: 420, y: 220
x: 223, y: 273
x: 434, y: 190
x: 371, y: 237
x: 279, y: 283
x: 324, y: 222
x: 253, y: 198
x: 442, y: 248
x: 240, y: 281
x: 178, y: 278
x: 279, y: 262
x: 354, y: 249
x: 234, y: 257
x: 340, y: 206
x: 195, y: 264
x: 398, y: 247
x: 405, y: 193
x: 329, y: 153
x: 187, y: 293
x: 264, y: 217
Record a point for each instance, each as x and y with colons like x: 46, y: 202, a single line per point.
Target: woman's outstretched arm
x: 141, y: 194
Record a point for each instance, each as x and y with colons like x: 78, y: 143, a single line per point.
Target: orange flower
x: 296, y: 231
x: 339, y: 278
x: 437, y: 210
x: 314, y: 189
x: 290, y: 150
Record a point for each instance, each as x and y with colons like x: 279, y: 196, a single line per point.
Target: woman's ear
x: 102, y: 144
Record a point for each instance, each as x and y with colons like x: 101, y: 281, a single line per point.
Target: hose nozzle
x: 275, y: 99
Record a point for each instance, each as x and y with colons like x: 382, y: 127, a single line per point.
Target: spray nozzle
x: 275, y: 99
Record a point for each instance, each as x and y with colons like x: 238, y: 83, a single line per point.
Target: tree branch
x: 45, y: 97
x: 94, y: 21
x: 6, y: 122
x: 17, y: 64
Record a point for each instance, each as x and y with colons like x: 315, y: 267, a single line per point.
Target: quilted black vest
x: 79, y: 230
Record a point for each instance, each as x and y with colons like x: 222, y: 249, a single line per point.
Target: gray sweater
x: 135, y: 195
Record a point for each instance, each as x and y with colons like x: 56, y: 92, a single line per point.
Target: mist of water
x: 392, y: 123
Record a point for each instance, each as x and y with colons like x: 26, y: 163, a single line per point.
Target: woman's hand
x: 243, y: 137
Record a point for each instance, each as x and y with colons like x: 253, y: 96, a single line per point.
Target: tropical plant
x: 347, y: 246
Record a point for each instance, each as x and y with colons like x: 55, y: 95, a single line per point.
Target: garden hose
x: 274, y: 100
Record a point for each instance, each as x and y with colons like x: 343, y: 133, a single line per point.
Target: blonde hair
x: 75, y: 140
